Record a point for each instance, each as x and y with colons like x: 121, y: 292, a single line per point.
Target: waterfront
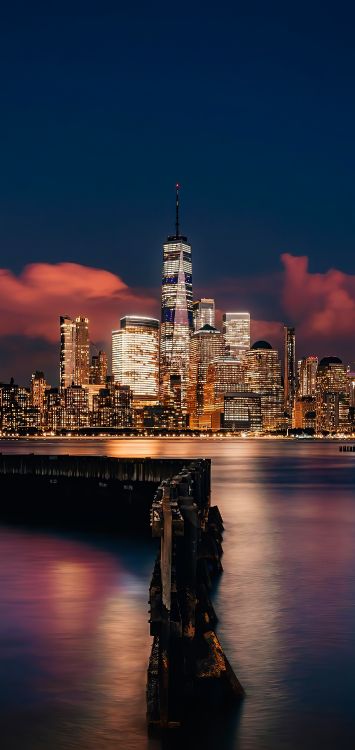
x: 74, y: 636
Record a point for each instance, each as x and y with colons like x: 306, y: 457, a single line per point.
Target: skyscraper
x: 289, y: 368
x: 135, y: 358
x: 82, y: 351
x: 74, y: 351
x: 332, y: 395
x: 307, y: 376
x: 67, y: 351
x: 236, y: 331
x: 263, y: 376
x: 203, y: 312
x: 206, y: 345
x: 98, y: 368
x: 176, y: 313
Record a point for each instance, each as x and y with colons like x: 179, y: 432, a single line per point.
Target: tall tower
x: 67, y: 351
x: 176, y: 315
x: 82, y: 351
x: 289, y: 368
x: 135, y: 358
x: 74, y: 351
x: 206, y: 345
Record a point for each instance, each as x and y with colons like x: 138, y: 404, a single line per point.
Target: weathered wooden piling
x: 188, y: 669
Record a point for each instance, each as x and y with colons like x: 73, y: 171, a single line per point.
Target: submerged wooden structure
x: 187, y: 669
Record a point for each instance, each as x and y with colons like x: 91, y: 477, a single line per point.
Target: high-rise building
x: 236, y: 331
x: 67, y: 351
x: 176, y: 314
x: 205, y: 346
x: 98, y: 368
x: 74, y: 351
x: 38, y: 389
x: 82, y: 351
x: 135, y: 357
x: 263, y: 376
x: 307, y: 376
x: 242, y: 411
x: 76, y: 407
x: 203, y: 312
x: 332, y: 396
x: 224, y: 375
x: 304, y: 413
x: 289, y: 368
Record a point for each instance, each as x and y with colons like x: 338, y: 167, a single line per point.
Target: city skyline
x: 103, y: 297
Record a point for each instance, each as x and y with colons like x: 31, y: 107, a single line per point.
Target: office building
x: 332, y: 396
x: 98, y: 368
x: 203, y: 313
x: 242, y: 412
x: 135, y: 358
x: 263, y: 376
x: 74, y: 351
x: 224, y: 375
x: 236, y: 331
x: 176, y: 314
x: 307, y: 376
x: 206, y: 345
x: 289, y: 369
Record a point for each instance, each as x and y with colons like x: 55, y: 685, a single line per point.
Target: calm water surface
x: 74, y: 638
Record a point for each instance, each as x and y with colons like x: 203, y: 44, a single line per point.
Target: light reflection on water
x: 74, y: 637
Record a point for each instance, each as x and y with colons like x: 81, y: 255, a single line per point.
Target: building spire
x: 177, y: 225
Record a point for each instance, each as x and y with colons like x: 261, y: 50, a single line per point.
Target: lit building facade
x: 135, y: 357
x: 204, y: 312
x: 98, y: 368
x: 176, y: 314
x: 74, y: 351
x: 304, y: 413
x: 332, y: 396
x: 112, y: 406
x: 307, y: 376
x: 67, y: 351
x: 224, y: 375
x: 289, y: 368
x: 206, y: 345
x: 263, y: 376
x: 76, y: 407
x: 242, y: 412
x: 38, y: 389
x: 236, y: 331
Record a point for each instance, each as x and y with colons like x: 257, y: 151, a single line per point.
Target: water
x: 74, y: 637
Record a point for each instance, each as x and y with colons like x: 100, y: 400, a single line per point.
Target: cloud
x: 322, y: 304
x: 31, y: 303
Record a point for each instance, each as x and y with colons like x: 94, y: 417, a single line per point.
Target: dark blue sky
x: 249, y: 105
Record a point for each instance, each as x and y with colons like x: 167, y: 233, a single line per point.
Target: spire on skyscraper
x: 177, y: 226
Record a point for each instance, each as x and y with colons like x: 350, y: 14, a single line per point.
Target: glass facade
x: 135, y: 357
x: 242, y: 411
x: 205, y: 345
x: 307, y: 376
x: 203, y: 312
x: 74, y: 351
x: 176, y: 317
x: 236, y: 331
x: 263, y: 376
x: 332, y: 395
x: 289, y: 368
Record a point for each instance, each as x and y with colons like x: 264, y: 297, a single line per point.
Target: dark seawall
x: 81, y: 492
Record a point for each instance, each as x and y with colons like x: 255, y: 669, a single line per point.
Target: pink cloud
x: 322, y: 304
x: 30, y: 304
